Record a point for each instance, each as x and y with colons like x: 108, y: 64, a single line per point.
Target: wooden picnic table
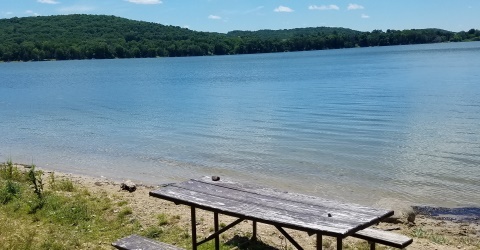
x: 281, y: 209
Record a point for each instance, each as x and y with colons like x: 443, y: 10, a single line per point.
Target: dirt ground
x: 427, y: 233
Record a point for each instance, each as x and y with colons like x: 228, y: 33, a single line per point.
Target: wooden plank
x: 340, y: 211
x: 250, y: 211
x: 269, y: 205
x: 312, y: 221
x: 288, y: 207
x: 138, y: 242
x: 384, y: 237
x: 246, y: 211
x: 313, y: 200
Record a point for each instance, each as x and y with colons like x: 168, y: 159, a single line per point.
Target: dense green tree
x: 98, y: 36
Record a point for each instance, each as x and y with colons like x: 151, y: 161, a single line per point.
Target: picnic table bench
x: 136, y: 242
x: 311, y: 214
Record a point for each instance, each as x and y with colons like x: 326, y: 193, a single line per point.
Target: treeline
x: 70, y: 37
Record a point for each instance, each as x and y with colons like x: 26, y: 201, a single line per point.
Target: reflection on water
x: 352, y: 124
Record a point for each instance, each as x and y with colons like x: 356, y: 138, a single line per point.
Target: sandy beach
x: 427, y: 232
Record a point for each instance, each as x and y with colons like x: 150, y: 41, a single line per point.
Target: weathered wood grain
x: 294, y: 196
x: 288, y: 201
x: 271, y: 206
x: 136, y: 242
x: 251, y: 211
x: 384, y: 237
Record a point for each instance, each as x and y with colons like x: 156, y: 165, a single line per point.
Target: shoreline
x: 458, y: 213
x: 367, y: 196
x: 428, y: 232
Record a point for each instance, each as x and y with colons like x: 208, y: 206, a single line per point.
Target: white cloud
x: 283, y: 9
x: 76, y: 9
x: 214, y: 17
x: 9, y: 13
x: 354, y: 6
x: 32, y: 13
x: 323, y: 7
x: 364, y: 16
x: 48, y: 1
x: 144, y: 1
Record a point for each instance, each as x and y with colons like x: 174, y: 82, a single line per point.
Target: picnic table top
x: 271, y: 206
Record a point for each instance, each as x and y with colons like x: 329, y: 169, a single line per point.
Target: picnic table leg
x: 254, y: 236
x: 217, y: 238
x: 194, y: 229
x: 319, y: 241
x: 289, y: 238
x: 339, y: 243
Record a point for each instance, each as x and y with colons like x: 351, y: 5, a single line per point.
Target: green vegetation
x: 34, y: 215
x: 70, y: 37
x: 436, y: 238
x: 59, y: 215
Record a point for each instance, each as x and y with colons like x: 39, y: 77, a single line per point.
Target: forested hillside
x: 97, y: 36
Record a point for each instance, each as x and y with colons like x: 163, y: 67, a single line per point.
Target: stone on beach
x: 403, y: 212
x: 129, y: 186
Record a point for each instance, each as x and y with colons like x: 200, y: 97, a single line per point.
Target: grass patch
x: 153, y: 232
x: 125, y: 212
x: 56, y: 216
x: 64, y: 185
x: 428, y: 234
x: 9, y: 172
x: 9, y: 191
x: 419, y: 232
x: 122, y: 203
x: 162, y: 220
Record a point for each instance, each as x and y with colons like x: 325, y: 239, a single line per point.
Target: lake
x: 353, y: 124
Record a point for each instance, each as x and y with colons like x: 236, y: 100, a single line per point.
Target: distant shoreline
x: 71, y: 37
x: 159, y: 57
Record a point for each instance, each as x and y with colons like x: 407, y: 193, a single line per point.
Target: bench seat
x: 136, y: 242
x: 383, y: 237
x: 373, y: 236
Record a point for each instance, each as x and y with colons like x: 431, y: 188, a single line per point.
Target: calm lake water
x: 354, y: 124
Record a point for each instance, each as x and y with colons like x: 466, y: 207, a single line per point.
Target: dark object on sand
x: 129, y: 186
x: 404, y: 213
x: 215, y: 178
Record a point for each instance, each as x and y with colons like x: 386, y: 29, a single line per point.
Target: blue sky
x: 228, y: 15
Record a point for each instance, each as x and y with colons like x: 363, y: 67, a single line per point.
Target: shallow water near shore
x: 353, y: 124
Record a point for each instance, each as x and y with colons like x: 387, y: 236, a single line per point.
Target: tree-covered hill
x: 289, y: 33
x: 98, y: 36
